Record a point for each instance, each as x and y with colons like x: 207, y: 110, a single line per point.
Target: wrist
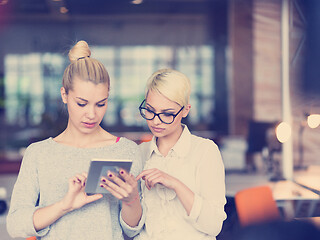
x: 63, y: 207
x: 176, y: 184
x: 132, y: 201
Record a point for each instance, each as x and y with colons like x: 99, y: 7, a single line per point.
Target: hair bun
x: 79, y: 51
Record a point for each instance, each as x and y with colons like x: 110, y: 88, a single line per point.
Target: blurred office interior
x: 232, y: 51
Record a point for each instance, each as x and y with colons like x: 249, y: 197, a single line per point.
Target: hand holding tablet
x: 100, y: 168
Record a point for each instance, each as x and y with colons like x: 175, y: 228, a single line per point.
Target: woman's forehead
x: 88, y: 90
x: 159, y: 101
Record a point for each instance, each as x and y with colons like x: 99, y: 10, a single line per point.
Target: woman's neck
x: 164, y: 144
x: 95, y: 139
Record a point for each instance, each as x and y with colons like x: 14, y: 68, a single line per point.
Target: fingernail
x: 101, y: 185
x: 103, y: 180
x: 122, y: 172
x: 110, y: 175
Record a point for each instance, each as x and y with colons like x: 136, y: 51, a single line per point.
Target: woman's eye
x: 81, y: 104
x: 101, y: 104
x: 168, y: 114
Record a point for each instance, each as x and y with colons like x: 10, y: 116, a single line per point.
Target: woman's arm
x: 24, y: 197
x: 74, y: 199
x: 25, y: 218
x: 207, y: 214
x: 126, y: 190
x: 154, y: 176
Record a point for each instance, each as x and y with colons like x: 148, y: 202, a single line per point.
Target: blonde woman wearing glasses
x: 183, y: 187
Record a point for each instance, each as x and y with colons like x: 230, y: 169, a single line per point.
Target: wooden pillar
x: 241, y: 72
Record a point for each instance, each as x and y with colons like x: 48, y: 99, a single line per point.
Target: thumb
x: 94, y: 197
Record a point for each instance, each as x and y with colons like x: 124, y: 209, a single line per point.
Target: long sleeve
x: 24, y: 199
x: 207, y: 213
x: 133, y: 231
x: 136, y: 169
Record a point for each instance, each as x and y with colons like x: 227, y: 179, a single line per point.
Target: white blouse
x: 197, y: 163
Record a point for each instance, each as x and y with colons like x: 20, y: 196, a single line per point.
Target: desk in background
x: 290, y: 196
x: 282, y: 190
x: 309, y: 179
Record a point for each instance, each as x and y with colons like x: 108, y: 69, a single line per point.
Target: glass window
x: 32, y: 87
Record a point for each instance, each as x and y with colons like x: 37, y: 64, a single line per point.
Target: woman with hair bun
x: 48, y: 199
x: 183, y: 189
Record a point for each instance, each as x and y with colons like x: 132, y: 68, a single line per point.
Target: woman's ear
x: 63, y: 95
x: 186, y: 110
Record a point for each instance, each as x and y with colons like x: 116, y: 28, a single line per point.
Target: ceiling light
x: 136, y: 2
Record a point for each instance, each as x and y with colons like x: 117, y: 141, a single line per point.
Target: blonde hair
x: 83, y: 66
x: 172, y: 84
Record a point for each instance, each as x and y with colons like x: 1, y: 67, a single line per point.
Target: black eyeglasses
x: 148, y: 114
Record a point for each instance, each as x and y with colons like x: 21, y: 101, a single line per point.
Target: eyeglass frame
x: 158, y: 114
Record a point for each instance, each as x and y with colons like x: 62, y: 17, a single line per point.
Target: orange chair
x: 256, y: 205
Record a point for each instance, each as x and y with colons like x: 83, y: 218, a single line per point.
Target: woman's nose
x: 157, y: 120
x: 91, y: 112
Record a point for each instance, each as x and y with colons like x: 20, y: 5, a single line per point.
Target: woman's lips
x: 158, y: 130
x: 89, y: 125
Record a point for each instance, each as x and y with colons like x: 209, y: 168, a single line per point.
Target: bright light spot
x: 313, y: 120
x: 283, y: 132
x: 63, y: 10
x: 136, y: 1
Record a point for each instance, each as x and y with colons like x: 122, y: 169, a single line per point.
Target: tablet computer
x: 99, y: 168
